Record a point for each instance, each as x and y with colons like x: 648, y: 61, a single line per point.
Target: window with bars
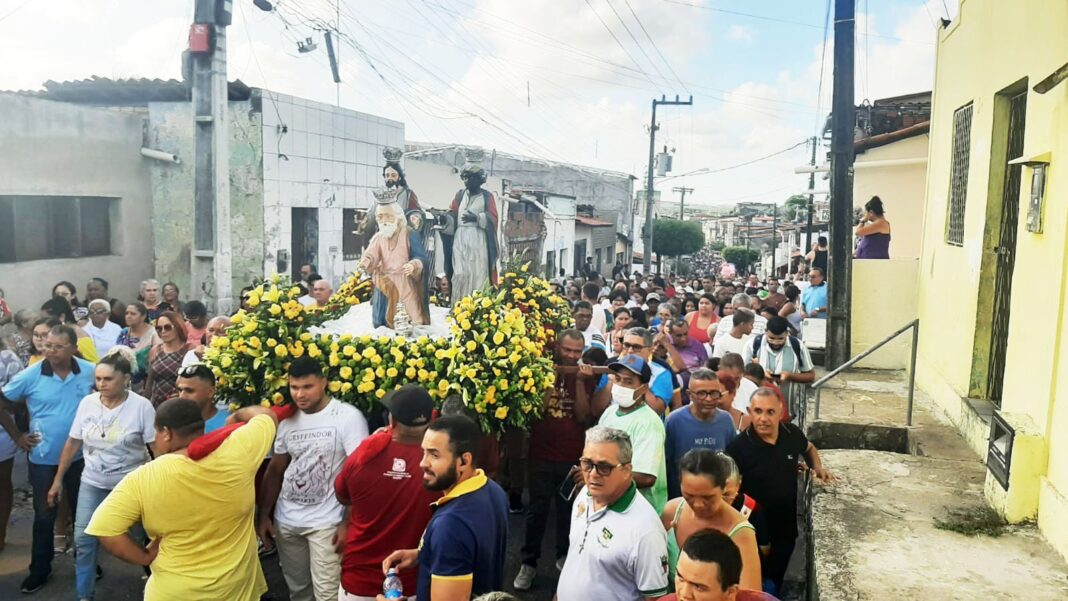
x: 54, y: 227
x: 958, y: 178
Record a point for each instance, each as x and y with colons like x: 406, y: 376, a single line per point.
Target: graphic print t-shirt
x: 317, y: 444
x: 113, y: 440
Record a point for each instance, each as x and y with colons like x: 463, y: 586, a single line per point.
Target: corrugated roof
x: 126, y: 92
x: 592, y: 221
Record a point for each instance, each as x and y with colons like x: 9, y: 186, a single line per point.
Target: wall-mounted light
x: 1039, y: 164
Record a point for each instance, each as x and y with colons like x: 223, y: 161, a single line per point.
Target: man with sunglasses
x: 618, y: 548
x: 699, y: 425
x: 630, y: 381
x: 661, y: 385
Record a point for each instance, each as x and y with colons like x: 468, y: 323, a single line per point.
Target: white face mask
x: 387, y: 229
x: 623, y: 396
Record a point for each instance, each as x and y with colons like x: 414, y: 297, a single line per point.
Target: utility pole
x: 748, y: 235
x: 774, y: 235
x: 211, y: 261
x: 648, y: 255
x: 811, y: 197
x: 682, y: 199
x: 843, y: 122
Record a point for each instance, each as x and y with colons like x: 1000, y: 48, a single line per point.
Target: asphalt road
x: 125, y: 582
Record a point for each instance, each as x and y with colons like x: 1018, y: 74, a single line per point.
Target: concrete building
x: 75, y: 199
x: 992, y: 275
x: 301, y: 172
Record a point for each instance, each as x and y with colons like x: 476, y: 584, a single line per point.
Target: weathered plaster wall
x: 171, y: 130
x: 52, y: 148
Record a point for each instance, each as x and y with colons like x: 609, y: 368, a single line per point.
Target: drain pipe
x: 159, y: 155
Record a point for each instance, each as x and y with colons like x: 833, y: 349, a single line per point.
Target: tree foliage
x: 672, y: 237
x: 794, y: 206
x: 737, y: 255
x: 717, y: 245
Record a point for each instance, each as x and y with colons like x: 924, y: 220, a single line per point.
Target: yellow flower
x: 220, y: 342
x: 349, y: 350
x: 443, y: 385
x: 271, y: 343
x: 249, y: 326
x: 334, y: 386
x: 491, y: 395
x: 380, y: 393
x: 409, y: 373
x: 237, y: 318
x: 253, y: 300
x: 501, y: 413
x: 346, y: 387
x: 226, y: 361
x: 369, y: 352
x: 392, y: 372
x: 278, y: 397
x: 381, y: 373
x: 254, y: 342
x: 504, y: 384
x: 265, y: 403
x: 345, y: 373
x: 471, y: 346
x: 280, y: 350
x: 306, y: 337
x: 275, y: 310
x: 498, y: 338
x: 334, y: 360
x: 271, y: 296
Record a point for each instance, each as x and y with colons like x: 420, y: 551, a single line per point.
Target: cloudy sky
x: 568, y: 80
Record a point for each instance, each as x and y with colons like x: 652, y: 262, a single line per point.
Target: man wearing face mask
x: 783, y: 357
x: 396, y: 260
x: 629, y: 383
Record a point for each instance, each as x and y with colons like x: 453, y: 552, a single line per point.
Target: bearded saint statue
x: 471, y: 252
x: 396, y: 260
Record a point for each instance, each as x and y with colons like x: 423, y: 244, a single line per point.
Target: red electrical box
x: 200, y: 38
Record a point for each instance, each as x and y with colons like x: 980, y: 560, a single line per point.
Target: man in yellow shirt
x: 198, y: 513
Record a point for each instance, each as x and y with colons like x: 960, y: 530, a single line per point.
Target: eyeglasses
x: 715, y: 395
x: 164, y: 327
x: 603, y: 467
x: 98, y: 312
x: 633, y: 346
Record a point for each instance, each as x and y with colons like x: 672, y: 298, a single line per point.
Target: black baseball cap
x: 410, y: 405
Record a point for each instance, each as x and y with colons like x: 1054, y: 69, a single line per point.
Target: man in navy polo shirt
x: 463, y: 548
x: 52, y: 390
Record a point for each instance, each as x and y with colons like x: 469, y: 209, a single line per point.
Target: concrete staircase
x: 872, y: 536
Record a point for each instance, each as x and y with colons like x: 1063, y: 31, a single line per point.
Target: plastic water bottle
x: 392, y: 588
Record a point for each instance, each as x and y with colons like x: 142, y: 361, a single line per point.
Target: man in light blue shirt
x: 699, y: 425
x: 814, y: 298
x: 52, y: 390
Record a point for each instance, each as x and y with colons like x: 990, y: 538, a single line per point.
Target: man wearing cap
x: 661, y: 391
x: 629, y: 412
x: 382, y: 484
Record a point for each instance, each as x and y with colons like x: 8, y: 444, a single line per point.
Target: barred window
x: 958, y: 178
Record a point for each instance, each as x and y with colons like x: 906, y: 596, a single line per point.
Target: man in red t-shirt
x: 382, y: 484
x: 556, y: 443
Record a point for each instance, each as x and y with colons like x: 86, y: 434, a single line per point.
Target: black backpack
x: 794, y: 344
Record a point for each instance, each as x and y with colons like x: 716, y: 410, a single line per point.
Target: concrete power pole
x: 648, y: 255
x: 212, y: 260
x: 811, y: 197
x: 842, y: 126
x: 682, y: 199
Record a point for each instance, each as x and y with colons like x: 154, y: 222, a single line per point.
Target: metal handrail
x: 914, y: 325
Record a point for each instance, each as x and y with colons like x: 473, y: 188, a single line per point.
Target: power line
x: 947, y: 9
x: 655, y: 47
x: 783, y: 21
x: 620, y: 44
x: 710, y: 170
x: 15, y: 10
x: 823, y: 61
x: 635, y: 40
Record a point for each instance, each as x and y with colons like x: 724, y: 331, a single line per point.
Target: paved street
x: 124, y: 582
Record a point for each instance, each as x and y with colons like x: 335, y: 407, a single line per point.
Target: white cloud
x: 740, y: 33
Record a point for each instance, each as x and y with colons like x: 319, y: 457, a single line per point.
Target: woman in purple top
x: 874, y: 232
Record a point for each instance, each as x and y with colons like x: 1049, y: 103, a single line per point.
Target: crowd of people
x: 666, y: 458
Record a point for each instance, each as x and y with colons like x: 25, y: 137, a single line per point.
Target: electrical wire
x: 778, y: 20
x: 635, y: 40
x: 655, y: 47
x: 710, y: 170
x: 15, y: 10
x: 823, y: 61
x: 620, y: 44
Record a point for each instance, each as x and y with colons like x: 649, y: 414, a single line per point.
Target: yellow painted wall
x: 993, y: 45
x: 883, y: 301
x: 901, y: 188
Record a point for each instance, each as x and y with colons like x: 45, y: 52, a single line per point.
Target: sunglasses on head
x: 196, y: 370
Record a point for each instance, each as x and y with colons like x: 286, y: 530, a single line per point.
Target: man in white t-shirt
x: 739, y: 301
x: 733, y: 365
x: 736, y: 340
x: 582, y: 312
x: 310, y: 448
x: 599, y: 318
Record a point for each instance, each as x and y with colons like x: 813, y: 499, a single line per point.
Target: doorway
x: 305, y: 239
x: 1002, y: 215
x: 580, y: 257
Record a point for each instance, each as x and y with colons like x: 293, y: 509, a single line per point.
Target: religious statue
x: 471, y: 252
x: 396, y: 261
x: 393, y: 179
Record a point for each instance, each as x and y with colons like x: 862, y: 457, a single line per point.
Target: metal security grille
x: 1006, y: 249
x: 958, y: 179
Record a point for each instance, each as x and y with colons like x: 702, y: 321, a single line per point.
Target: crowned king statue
x: 471, y: 253
x: 396, y: 260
